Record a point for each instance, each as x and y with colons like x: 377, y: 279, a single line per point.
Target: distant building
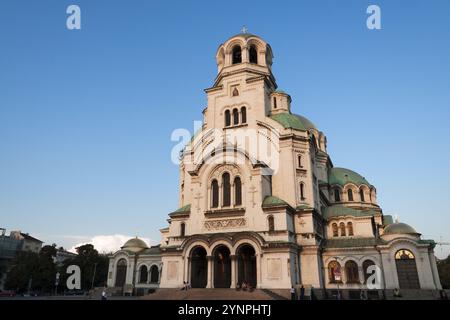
x: 63, y: 255
x: 10, y: 245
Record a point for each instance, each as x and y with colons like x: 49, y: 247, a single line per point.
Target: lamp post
x: 93, y: 276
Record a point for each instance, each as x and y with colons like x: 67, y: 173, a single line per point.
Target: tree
x: 444, y: 272
x: 35, y: 268
x: 89, y: 261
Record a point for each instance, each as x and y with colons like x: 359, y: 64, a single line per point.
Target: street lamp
x: 93, y: 276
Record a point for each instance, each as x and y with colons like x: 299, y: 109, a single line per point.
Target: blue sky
x: 86, y: 115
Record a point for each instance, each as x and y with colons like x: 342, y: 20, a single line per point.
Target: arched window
x: 334, y: 227
x: 237, y: 191
x: 350, y: 194
x: 226, y: 190
x: 143, y: 274
x: 227, y: 118
x: 253, y: 54
x: 299, y: 159
x: 302, y: 191
x: 182, y: 229
x: 366, y: 264
x: 235, y: 116
x: 350, y: 228
x: 235, y: 92
x: 214, y: 194
x: 361, y: 194
x: 237, y: 55
x: 243, y: 115
x: 271, y: 222
x: 342, y: 227
x: 154, y: 274
x: 337, y: 195
x: 351, y: 271
x: 334, y: 270
x: 274, y: 102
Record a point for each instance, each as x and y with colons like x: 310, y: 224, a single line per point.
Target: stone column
x: 233, y: 271
x: 259, y: 269
x: 209, y: 283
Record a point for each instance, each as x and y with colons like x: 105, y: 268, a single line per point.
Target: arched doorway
x: 408, y: 278
x: 246, y: 265
x: 222, y: 267
x: 199, y: 268
x: 154, y: 274
x: 121, y: 273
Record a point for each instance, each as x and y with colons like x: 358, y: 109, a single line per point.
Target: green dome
x: 343, y: 176
x: 293, y: 121
x: 399, y: 228
x: 135, y: 245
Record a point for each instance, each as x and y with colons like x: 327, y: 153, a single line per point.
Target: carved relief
x: 233, y: 170
x: 225, y: 224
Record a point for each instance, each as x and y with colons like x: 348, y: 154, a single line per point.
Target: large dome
x: 135, y: 245
x: 342, y: 176
x: 399, y: 228
x: 293, y: 121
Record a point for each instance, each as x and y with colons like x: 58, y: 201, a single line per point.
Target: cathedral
x: 261, y: 204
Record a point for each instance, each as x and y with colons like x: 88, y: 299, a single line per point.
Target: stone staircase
x: 208, y: 294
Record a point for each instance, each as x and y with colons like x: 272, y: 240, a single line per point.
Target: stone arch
x: 247, y: 270
x: 221, y: 254
x: 198, y: 266
x: 121, y: 268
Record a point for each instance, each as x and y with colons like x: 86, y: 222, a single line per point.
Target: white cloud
x: 108, y: 243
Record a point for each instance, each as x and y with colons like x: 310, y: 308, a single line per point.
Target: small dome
x: 342, y: 176
x: 399, y: 228
x: 135, y: 245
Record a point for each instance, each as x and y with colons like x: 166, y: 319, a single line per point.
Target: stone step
x: 207, y: 294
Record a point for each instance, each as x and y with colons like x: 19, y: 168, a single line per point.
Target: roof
x: 272, y: 201
x: 181, y: 211
x: 134, y: 244
x: 26, y: 236
x: 293, y: 121
x: 342, y: 176
x: 352, y: 242
x: 399, y: 228
x: 339, y: 210
x: 151, y: 250
x: 244, y: 35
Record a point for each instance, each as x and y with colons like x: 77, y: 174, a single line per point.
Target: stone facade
x: 261, y: 203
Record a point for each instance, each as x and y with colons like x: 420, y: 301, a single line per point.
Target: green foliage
x: 40, y: 270
x: 444, y: 272
x: 34, y: 268
x: 89, y: 261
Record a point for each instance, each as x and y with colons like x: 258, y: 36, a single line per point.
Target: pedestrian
x: 292, y: 293
x: 302, y: 292
x: 104, y: 294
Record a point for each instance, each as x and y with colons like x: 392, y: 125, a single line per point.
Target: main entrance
x: 199, y: 268
x: 246, y: 265
x: 408, y: 278
x: 222, y: 267
x: 121, y: 273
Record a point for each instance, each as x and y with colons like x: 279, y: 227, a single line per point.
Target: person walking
x: 104, y: 294
x: 302, y: 292
x: 292, y: 293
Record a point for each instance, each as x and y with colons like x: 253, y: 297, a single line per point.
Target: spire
x: 244, y: 29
